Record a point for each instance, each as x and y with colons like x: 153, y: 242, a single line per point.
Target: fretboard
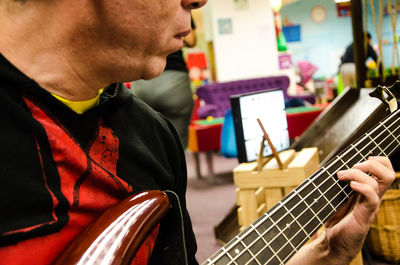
x: 278, y: 234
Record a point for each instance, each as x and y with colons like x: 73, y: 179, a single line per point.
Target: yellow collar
x: 80, y: 106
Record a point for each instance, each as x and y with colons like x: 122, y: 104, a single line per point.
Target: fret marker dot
x: 288, y: 225
x: 237, y: 251
x: 315, y: 200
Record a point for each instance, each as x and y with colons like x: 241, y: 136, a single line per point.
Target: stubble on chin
x: 153, y: 68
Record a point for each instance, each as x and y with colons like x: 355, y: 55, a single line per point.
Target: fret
x: 278, y: 213
x: 306, y: 220
x: 320, y: 178
x: 364, y: 146
x: 250, y: 238
x: 340, y: 198
x: 280, y: 238
x: 320, y: 204
x: 274, y: 261
x: 267, y: 251
x: 290, y: 232
x: 284, y: 222
x: 359, y: 152
x: 376, y: 147
x: 323, y: 200
x: 313, y: 225
x: 345, y: 187
x: 271, y: 234
x: 327, y: 185
x: 387, y: 142
x: 297, y: 207
x: 244, y: 258
x: 299, y: 237
x: 309, y: 194
x: 266, y: 255
x: 352, y: 158
x: 235, y: 251
x: 391, y: 133
x: 216, y: 255
x: 277, y: 243
x: 345, y: 165
x: 375, y: 134
x: 252, y: 245
x: 392, y: 122
x: 257, y: 248
x: 286, y: 250
x: 326, y: 212
x: 263, y: 224
x: 334, y: 166
x: 383, y: 139
x: 394, y: 143
x: 392, y: 147
x: 382, y: 136
x: 261, y: 238
x: 294, y: 229
x: 223, y: 260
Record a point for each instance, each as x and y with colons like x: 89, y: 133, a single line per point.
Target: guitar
x: 273, y: 238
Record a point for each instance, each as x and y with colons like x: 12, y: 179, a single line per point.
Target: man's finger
x: 381, y: 169
x: 383, y: 160
x: 358, y: 176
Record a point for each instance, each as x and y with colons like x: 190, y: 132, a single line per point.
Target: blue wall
x: 323, y: 44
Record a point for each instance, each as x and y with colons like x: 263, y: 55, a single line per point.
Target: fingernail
x: 341, y: 173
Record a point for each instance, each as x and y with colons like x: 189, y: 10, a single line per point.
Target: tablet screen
x: 269, y: 107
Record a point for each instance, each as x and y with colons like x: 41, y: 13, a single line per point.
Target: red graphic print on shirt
x: 89, y: 182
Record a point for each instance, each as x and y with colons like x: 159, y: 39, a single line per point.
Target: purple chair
x: 216, y: 95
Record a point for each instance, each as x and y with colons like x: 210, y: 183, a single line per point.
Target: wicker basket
x: 383, y: 240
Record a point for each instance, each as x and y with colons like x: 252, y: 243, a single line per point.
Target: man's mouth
x: 182, y: 34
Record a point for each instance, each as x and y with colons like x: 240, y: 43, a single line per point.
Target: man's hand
x: 345, y: 235
x: 346, y: 230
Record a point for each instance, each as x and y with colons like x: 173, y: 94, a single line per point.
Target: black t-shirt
x: 60, y: 170
x: 348, y: 56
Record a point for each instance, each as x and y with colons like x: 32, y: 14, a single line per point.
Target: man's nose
x: 193, y: 4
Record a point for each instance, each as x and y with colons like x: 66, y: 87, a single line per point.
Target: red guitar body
x: 115, y: 237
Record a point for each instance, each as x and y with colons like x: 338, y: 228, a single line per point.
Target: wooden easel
x: 261, y: 161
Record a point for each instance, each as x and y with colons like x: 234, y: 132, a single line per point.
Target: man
x: 73, y: 145
x: 348, y: 68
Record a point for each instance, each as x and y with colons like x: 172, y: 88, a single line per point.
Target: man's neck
x: 46, y: 53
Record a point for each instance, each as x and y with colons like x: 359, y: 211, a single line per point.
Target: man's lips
x: 182, y: 34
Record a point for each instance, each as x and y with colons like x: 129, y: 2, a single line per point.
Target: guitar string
x: 240, y: 237
x: 182, y: 225
x: 342, y: 188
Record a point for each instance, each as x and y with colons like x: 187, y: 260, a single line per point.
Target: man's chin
x: 153, y: 70
x: 152, y: 75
